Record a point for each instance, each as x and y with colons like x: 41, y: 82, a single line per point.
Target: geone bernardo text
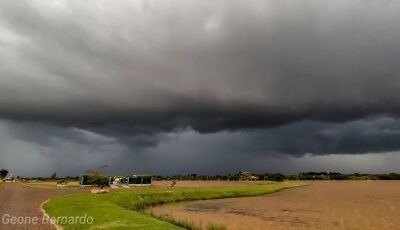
x: 8, y: 219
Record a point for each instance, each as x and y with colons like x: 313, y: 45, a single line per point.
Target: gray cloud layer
x: 29, y: 148
x: 207, y: 65
x: 125, y: 79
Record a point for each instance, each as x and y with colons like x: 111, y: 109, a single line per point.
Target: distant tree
x: 244, y: 175
x: 274, y: 177
x: 390, y: 176
x: 3, y: 173
x: 97, y: 179
x: 53, y: 176
x: 173, y: 183
x: 338, y: 176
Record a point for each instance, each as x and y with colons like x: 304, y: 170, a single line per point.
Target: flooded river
x: 320, y: 205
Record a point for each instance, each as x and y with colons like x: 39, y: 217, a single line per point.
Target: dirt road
x: 19, y: 201
x: 320, y: 205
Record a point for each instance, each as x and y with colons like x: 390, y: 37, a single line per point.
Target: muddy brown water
x: 320, y: 205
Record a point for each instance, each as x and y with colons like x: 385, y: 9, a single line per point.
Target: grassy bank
x: 121, y: 209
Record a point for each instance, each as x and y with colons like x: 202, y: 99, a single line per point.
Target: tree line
x: 243, y: 176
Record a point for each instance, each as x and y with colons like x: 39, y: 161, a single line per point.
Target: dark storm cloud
x: 38, y: 149
x: 148, y: 67
x: 366, y: 145
x: 152, y: 85
x: 318, y: 138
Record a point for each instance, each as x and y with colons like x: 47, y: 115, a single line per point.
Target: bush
x: 338, y: 177
x: 276, y: 177
x: 95, y: 179
x: 390, y: 176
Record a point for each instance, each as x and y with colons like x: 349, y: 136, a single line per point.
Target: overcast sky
x: 184, y: 86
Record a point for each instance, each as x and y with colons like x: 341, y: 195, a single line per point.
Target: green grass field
x: 121, y: 209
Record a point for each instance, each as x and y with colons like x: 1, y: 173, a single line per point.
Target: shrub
x: 95, y: 179
x: 338, y: 177
x: 277, y: 177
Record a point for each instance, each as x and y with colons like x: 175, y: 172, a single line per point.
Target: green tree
x: 97, y: 179
x: 53, y: 176
x: 3, y: 173
x: 245, y: 175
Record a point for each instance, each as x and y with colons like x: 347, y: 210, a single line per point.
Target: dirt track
x: 22, y: 201
x: 321, y: 205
